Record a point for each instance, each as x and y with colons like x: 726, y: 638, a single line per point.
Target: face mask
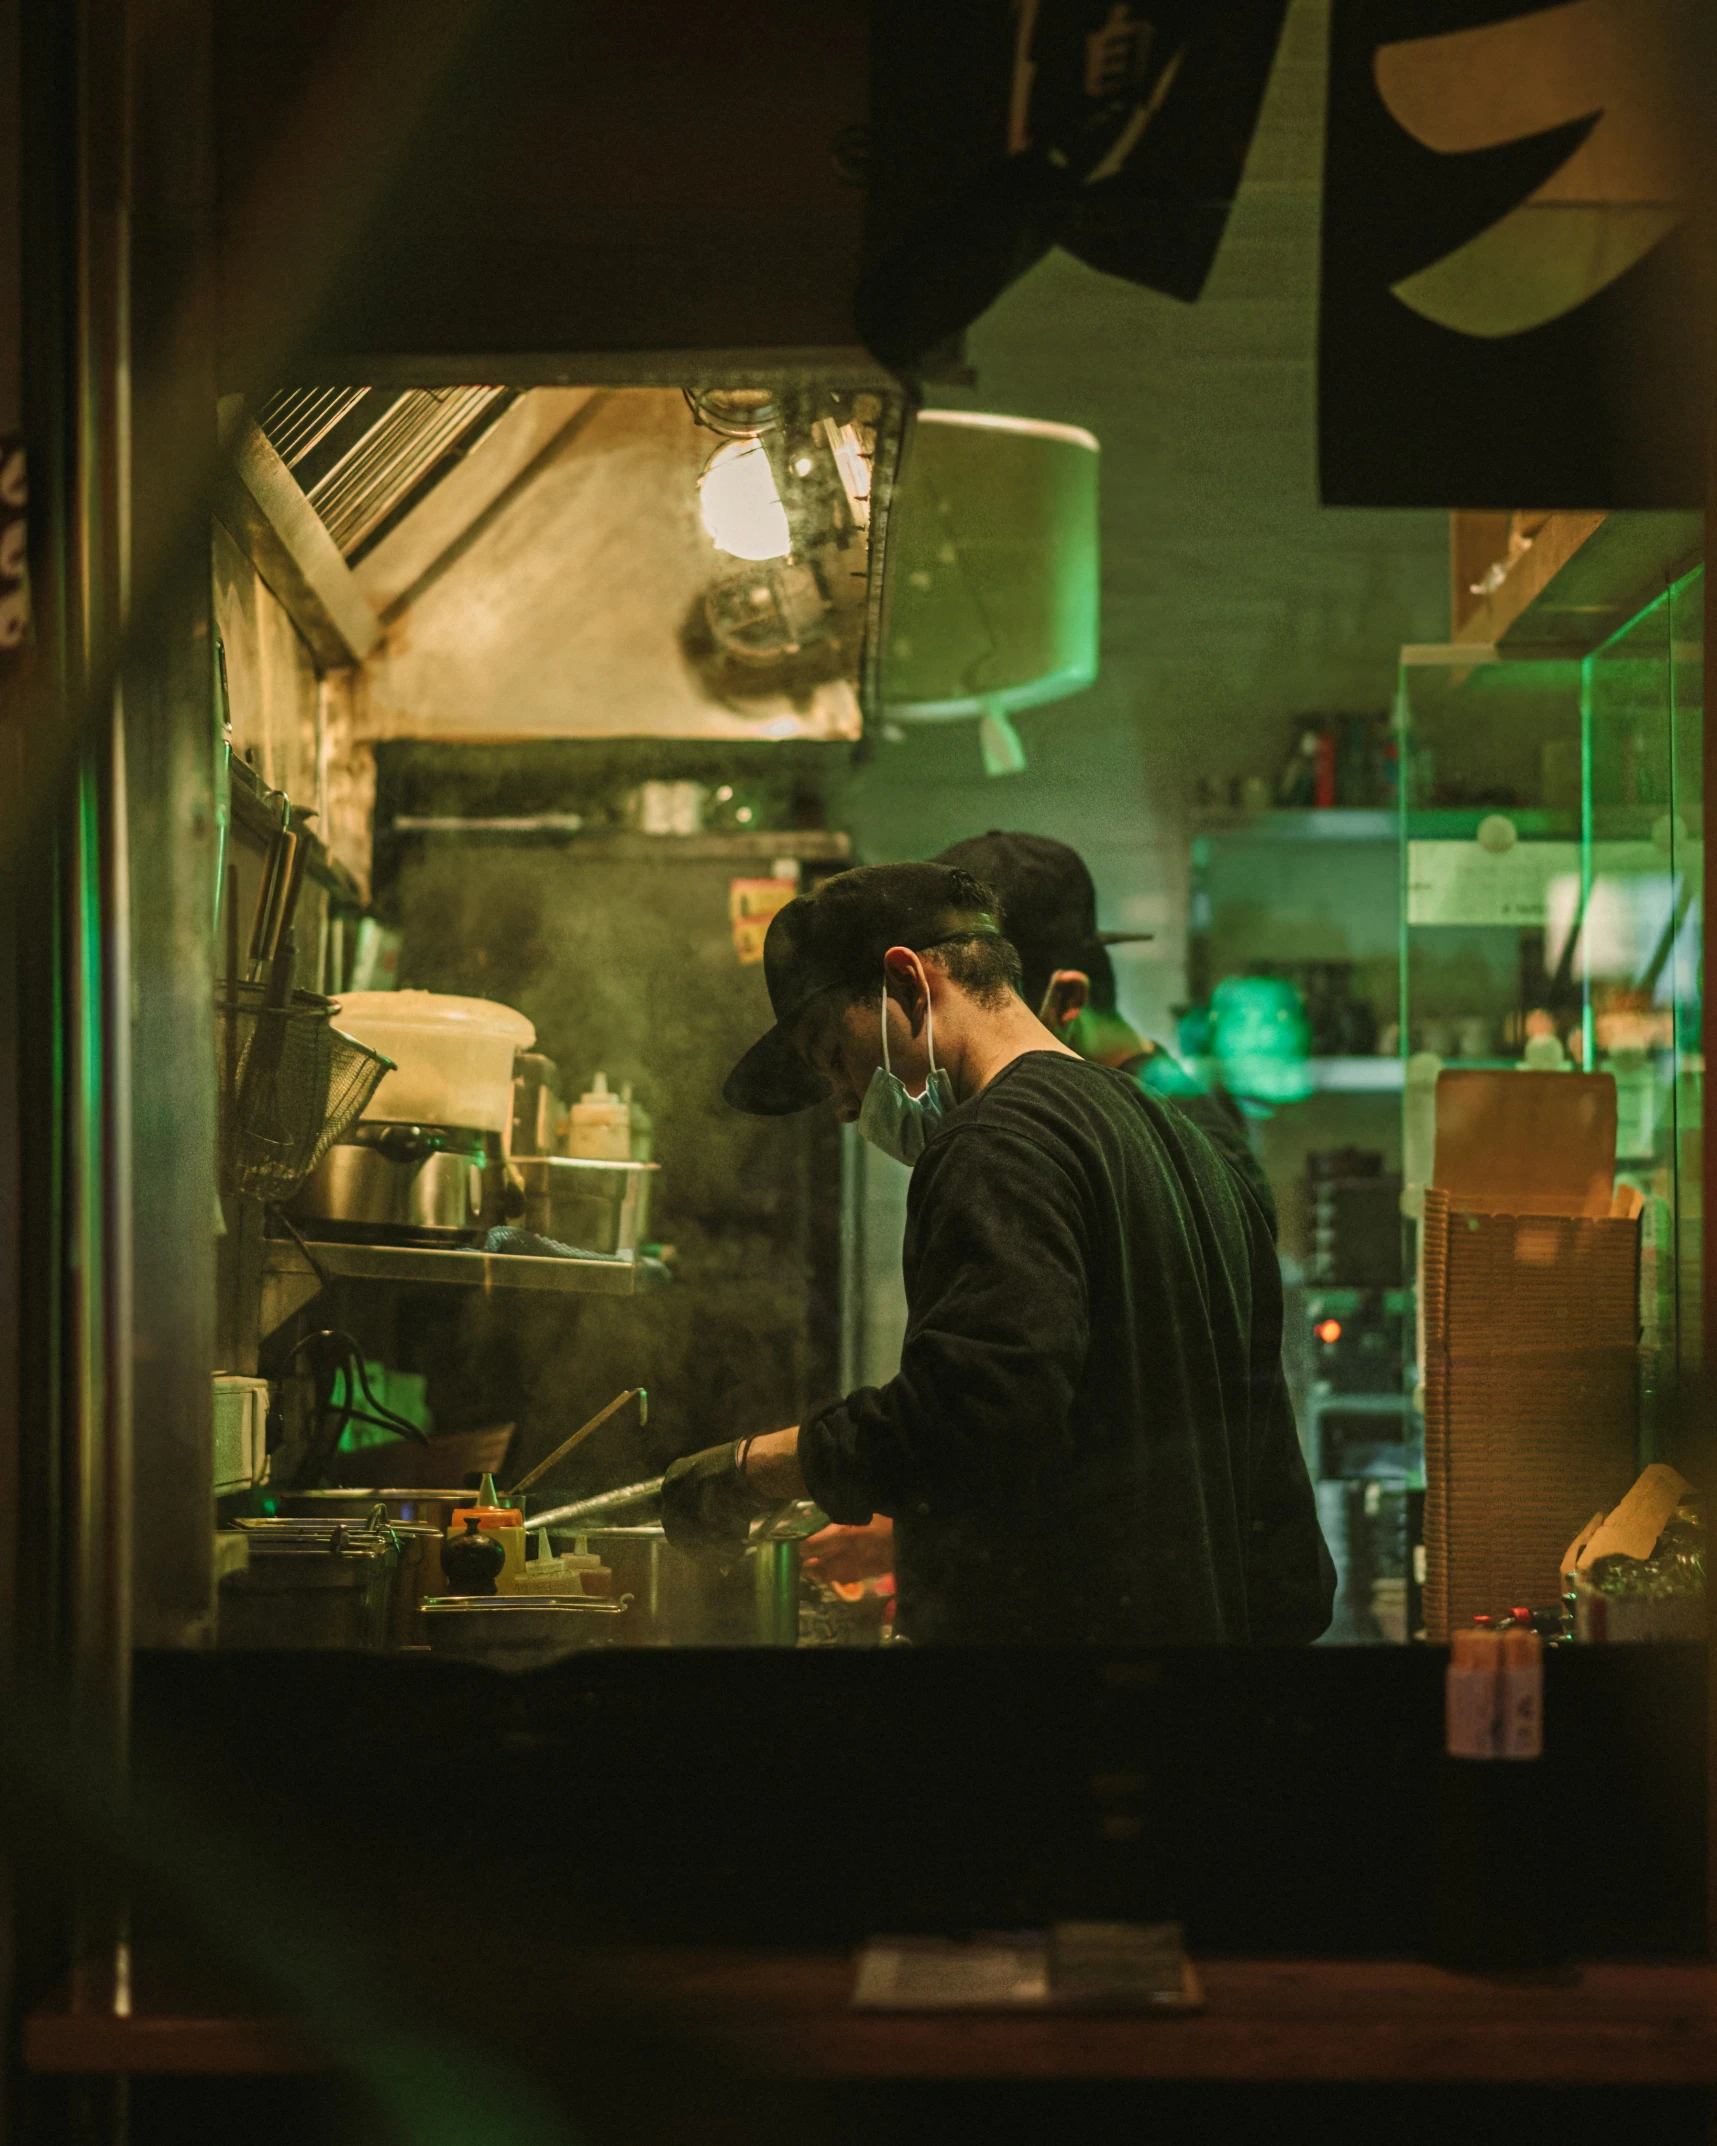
x: 891, y: 1120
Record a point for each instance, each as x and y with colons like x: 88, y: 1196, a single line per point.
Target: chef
x: 1049, y: 911
x: 1088, y: 1439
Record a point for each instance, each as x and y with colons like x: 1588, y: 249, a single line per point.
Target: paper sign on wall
x: 751, y: 905
x: 1464, y: 883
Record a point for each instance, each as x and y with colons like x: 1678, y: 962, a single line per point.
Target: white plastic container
x: 241, y: 1433
x: 454, y: 1056
x: 599, y: 1125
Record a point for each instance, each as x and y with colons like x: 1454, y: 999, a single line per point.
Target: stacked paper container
x: 1530, y: 1324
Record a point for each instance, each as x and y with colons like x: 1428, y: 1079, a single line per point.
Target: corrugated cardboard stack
x: 1529, y: 1310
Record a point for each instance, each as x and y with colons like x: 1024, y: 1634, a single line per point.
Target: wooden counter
x: 785, y: 2014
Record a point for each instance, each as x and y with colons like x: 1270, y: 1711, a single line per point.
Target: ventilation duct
x: 364, y: 455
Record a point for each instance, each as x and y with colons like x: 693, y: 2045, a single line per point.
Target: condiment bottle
x: 1496, y: 1901
x: 1521, y: 1721
x: 472, y: 1560
x: 1472, y: 1694
x: 490, y: 1516
x: 599, y: 1125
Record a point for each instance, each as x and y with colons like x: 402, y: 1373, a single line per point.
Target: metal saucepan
x: 597, y: 1206
x: 680, y: 1601
x: 391, y: 1183
x: 420, y: 1518
x: 312, y: 1584
x: 416, y: 1508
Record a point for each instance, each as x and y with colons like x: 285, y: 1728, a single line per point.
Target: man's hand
x: 710, y: 1499
x: 707, y: 1505
x: 846, y: 1557
x: 772, y: 1467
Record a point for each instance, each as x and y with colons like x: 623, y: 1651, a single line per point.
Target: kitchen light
x: 741, y: 503
x: 853, y: 463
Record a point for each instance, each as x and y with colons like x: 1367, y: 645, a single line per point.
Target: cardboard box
x: 1529, y: 1322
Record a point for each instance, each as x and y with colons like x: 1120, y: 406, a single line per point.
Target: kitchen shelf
x: 1305, y: 823
x: 1356, y: 1076
x: 289, y: 1282
x: 814, y: 845
x: 1335, y: 1076
x: 1582, y: 577
x: 1431, y: 823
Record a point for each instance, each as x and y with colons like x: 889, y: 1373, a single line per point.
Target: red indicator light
x: 1328, y: 1330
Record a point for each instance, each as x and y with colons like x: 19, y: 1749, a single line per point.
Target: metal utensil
x: 584, y: 1430
x: 309, y: 1083
x: 597, y: 1508
x: 273, y: 914
x: 795, y: 1521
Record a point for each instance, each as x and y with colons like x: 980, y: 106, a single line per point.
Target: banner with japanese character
x: 1507, y: 314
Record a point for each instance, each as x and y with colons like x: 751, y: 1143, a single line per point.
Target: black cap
x: 1049, y: 905
x: 836, y: 938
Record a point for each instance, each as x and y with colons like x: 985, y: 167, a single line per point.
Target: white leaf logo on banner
x: 1617, y: 196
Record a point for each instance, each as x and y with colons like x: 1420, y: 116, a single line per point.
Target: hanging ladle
x: 582, y: 1433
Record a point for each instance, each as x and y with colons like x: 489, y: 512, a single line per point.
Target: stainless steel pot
x: 517, y: 1632
x: 312, y: 1584
x: 416, y: 1508
x: 596, y: 1206
x: 419, y: 1520
x: 680, y: 1601
x: 407, y: 1184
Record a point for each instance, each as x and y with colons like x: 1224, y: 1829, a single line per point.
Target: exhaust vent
x: 365, y: 456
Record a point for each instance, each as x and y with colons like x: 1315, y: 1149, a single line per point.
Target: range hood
x: 604, y: 561
x: 365, y: 457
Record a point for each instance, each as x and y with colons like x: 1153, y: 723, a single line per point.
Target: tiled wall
x: 1231, y: 599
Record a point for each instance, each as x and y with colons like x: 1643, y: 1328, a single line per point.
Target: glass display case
x: 1551, y: 851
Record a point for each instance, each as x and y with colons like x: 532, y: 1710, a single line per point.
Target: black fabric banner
x: 1507, y: 316
x: 1114, y: 128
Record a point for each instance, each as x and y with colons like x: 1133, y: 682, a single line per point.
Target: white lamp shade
x: 990, y: 591
x: 741, y: 503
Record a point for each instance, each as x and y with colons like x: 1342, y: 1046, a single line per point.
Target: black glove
x: 707, y: 1505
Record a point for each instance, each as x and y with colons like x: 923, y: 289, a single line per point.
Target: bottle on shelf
x: 599, y: 1125
x: 643, y: 1126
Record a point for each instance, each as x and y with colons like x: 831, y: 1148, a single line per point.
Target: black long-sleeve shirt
x: 1215, y: 1113
x: 1088, y: 1439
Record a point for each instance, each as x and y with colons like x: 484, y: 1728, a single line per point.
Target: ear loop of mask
x: 929, y: 1035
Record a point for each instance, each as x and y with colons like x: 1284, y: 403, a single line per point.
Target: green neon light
x: 1657, y: 603
x: 1588, y: 1036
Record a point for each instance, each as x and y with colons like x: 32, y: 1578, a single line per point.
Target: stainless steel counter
x: 289, y: 1281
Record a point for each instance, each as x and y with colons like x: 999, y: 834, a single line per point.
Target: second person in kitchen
x: 1088, y: 1439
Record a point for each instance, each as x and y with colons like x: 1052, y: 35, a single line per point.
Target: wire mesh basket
x: 291, y: 1084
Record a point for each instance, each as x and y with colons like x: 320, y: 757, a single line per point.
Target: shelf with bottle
x: 1445, y: 823
x: 1297, y: 1078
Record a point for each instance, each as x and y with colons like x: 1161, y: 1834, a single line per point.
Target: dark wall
x: 1277, y: 1802
x: 625, y: 963
x: 461, y: 181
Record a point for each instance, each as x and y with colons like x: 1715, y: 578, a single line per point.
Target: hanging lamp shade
x: 991, y: 589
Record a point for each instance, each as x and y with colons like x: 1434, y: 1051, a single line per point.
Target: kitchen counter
x: 784, y: 2014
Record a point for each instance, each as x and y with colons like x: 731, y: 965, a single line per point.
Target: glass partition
x: 1640, y: 890
x: 1550, y: 1019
